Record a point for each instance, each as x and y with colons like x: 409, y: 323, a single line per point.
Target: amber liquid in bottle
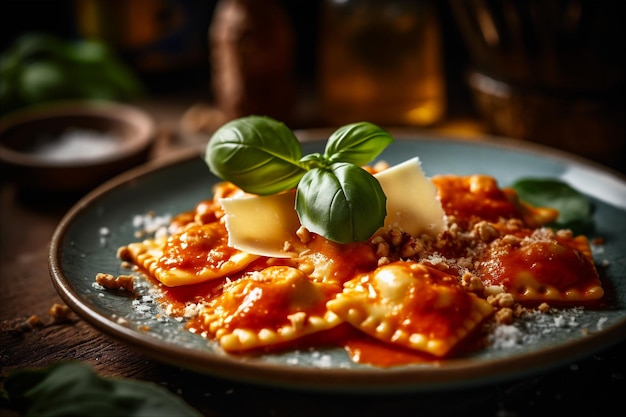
x: 381, y: 61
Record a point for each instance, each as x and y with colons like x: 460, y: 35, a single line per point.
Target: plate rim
x: 468, y: 371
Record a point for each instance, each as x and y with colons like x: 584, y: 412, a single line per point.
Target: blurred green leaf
x: 74, y: 389
x: 575, y: 208
x: 40, y: 67
x: 41, y: 81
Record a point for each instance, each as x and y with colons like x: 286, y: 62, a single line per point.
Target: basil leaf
x: 257, y: 153
x: 336, y: 198
x: 74, y: 389
x: 573, y: 206
x: 343, y: 203
x: 357, y: 143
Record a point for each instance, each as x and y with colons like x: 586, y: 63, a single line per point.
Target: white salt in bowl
x: 73, y: 146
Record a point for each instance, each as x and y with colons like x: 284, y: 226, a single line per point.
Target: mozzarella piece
x: 412, y: 203
x: 263, y: 225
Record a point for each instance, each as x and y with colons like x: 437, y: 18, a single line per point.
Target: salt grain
x: 535, y: 326
x: 104, y: 233
x: 559, y: 321
x: 506, y: 336
x: 96, y: 286
x: 151, y: 223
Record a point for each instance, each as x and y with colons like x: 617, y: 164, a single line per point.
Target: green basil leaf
x: 257, y: 153
x: 357, y: 143
x: 573, y: 206
x: 336, y: 198
x: 343, y: 203
x: 74, y: 389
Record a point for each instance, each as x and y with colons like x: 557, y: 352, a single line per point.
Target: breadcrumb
x: 60, y: 313
x: 122, y: 282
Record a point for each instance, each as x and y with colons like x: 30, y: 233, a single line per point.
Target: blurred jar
x: 381, y: 61
x: 252, y: 59
x: 549, y: 72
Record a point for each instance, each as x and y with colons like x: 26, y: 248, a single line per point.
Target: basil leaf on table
x: 338, y: 209
x: 71, y: 389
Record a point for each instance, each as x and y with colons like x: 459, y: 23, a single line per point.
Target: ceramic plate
x: 87, y: 238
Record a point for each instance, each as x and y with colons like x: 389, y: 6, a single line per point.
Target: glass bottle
x: 381, y: 61
x: 252, y: 59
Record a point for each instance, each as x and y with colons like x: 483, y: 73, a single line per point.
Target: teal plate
x: 87, y: 238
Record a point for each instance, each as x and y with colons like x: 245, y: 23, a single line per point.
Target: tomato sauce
x: 472, y: 198
x: 560, y: 262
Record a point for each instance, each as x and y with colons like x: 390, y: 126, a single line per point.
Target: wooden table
x: 593, y: 386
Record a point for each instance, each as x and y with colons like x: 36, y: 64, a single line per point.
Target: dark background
x: 594, y: 129
x: 59, y: 17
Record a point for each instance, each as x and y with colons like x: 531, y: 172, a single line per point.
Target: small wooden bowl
x: 73, y: 146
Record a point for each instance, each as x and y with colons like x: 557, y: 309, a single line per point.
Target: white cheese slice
x: 266, y: 225
x: 262, y: 224
x: 412, y: 203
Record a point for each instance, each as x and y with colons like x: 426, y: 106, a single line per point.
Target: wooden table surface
x: 589, y: 387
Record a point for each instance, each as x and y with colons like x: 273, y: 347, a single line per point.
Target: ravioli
x: 198, y: 253
x: 531, y: 262
x: 542, y: 267
x: 473, y: 198
x: 335, y: 263
x: 411, y: 305
x: 275, y: 305
x: 423, y: 282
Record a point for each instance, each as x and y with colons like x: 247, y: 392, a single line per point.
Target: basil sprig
x: 335, y: 197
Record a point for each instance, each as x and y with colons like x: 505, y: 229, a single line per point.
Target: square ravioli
x: 472, y: 198
x: 197, y: 253
x: 543, y: 266
x: 411, y: 305
x: 275, y: 305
